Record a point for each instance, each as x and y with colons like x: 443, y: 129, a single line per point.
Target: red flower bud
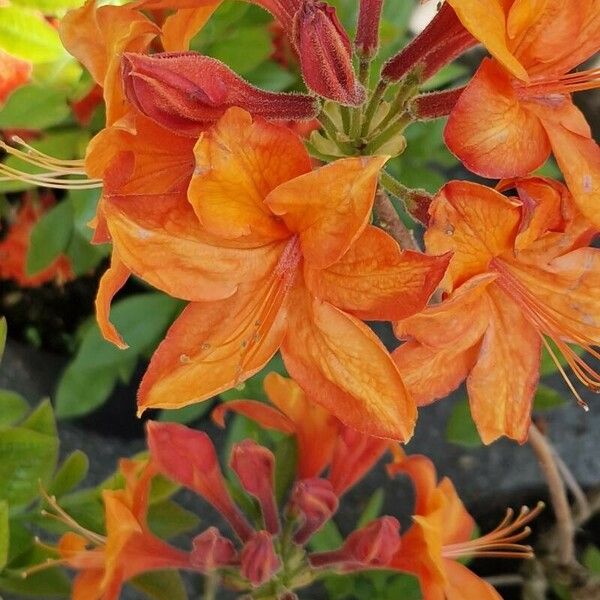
x: 435, y: 104
x: 211, y: 550
x: 439, y: 43
x: 325, y: 53
x: 255, y: 467
x: 367, y: 31
x: 188, y: 457
x: 372, y: 546
x: 315, y: 501
x: 258, y: 559
x: 186, y: 91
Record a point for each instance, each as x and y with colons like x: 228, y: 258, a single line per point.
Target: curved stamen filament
x: 501, y: 542
x: 577, y: 81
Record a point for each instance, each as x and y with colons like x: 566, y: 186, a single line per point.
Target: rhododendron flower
x: 521, y: 272
x: 272, y: 254
x: 14, y: 73
x: 15, y: 246
x: 442, y: 533
x: 518, y: 106
x: 104, y: 563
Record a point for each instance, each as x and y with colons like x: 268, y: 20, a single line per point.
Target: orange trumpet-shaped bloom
x: 104, y: 563
x: 442, y: 533
x: 272, y: 254
x: 315, y: 429
x: 518, y: 106
x: 520, y: 273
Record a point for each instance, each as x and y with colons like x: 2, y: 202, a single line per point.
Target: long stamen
x: 577, y: 81
x: 501, y: 542
x: 56, y: 172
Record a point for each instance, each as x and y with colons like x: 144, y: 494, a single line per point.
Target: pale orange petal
x: 179, y: 28
x: 112, y: 281
x: 329, y: 207
x: 474, y: 222
x: 87, y: 586
x: 340, y: 363
x: 502, y: 383
x: 459, y: 525
x: 486, y: 21
x: 147, y: 228
x: 316, y: 429
x: 463, y: 584
x: 491, y: 131
x: 238, y: 162
x: 375, y: 280
x: 266, y: 416
x: 214, y: 346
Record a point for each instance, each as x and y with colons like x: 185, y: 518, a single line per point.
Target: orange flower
x: 518, y: 106
x: 129, y: 548
x: 520, y: 273
x: 272, y: 254
x: 442, y: 534
x: 15, y: 246
x: 14, y: 73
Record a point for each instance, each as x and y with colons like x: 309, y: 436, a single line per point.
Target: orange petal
x: 340, y: 363
x: 463, y: 584
x: 316, y: 429
x: 491, y: 131
x: 579, y: 159
x: 213, y: 346
x: 147, y: 228
x: 266, y: 416
x: 459, y: 525
x: 87, y: 586
x: 329, y: 207
x: 502, y: 383
x: 179, y: 28
x: 97, y: 36
x: 375, y: 280
x: 474, y: 222
x: 112, y: 281
x: 487, y: 22
x: 238, y: 162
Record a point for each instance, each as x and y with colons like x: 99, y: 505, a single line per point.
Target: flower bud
x: 211, y: 550
x: 315, y: 501
x: 186, y: 91
x: 325, y: 53
x: 258, y: 559
x: 367, y: 31
x: 255, y: 467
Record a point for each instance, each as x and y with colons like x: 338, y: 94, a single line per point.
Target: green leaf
x: 167, y: 519
x: 327, y: 538
x: 271, y: 76
x: 547, y: 398
x: 286, y: 460
x: 34, y: 107
x: 186, y: 414
x: 461, y: 428
x: 70, y: 474
x: 245, y: 50
x: 26, y: 457
x: 142, y: 320
x: 373, y: 508
x: 46, y: 584
x: 3, y: 332
x: 26, y: 34
x: 591, y: 559
x: 50, y: 237
x: 49, y: 7
x: 41, y: 419
x: 161, y: 585
x: 4, y: 534
x: 13, y: 407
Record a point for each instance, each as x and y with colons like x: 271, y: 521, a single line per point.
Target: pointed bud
x: 255, y: 467
x: 188, y: 457
x: 367, y: 31
x: 435, y: 104
x: 439, y: 43
x: 211, y: 550
x: 315, y: 502
x: 372, y: 546
x: 325, y: 54
x: 258, y: 559
x: 185, y: 92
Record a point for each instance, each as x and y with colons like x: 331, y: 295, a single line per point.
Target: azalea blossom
x: 518, y: 106
x: 521, y: 272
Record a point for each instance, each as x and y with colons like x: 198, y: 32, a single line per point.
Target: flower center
x: 551, y: 89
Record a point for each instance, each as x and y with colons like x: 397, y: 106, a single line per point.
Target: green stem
x: 211, y: 584
x: 318, y: 155
x: 374, y: 102
x: 408, y: 88
x: 333, y: 133
x: 395, y: 128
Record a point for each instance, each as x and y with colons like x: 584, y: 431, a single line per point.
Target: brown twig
x: 558, y: 495
x: 390, y: 221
